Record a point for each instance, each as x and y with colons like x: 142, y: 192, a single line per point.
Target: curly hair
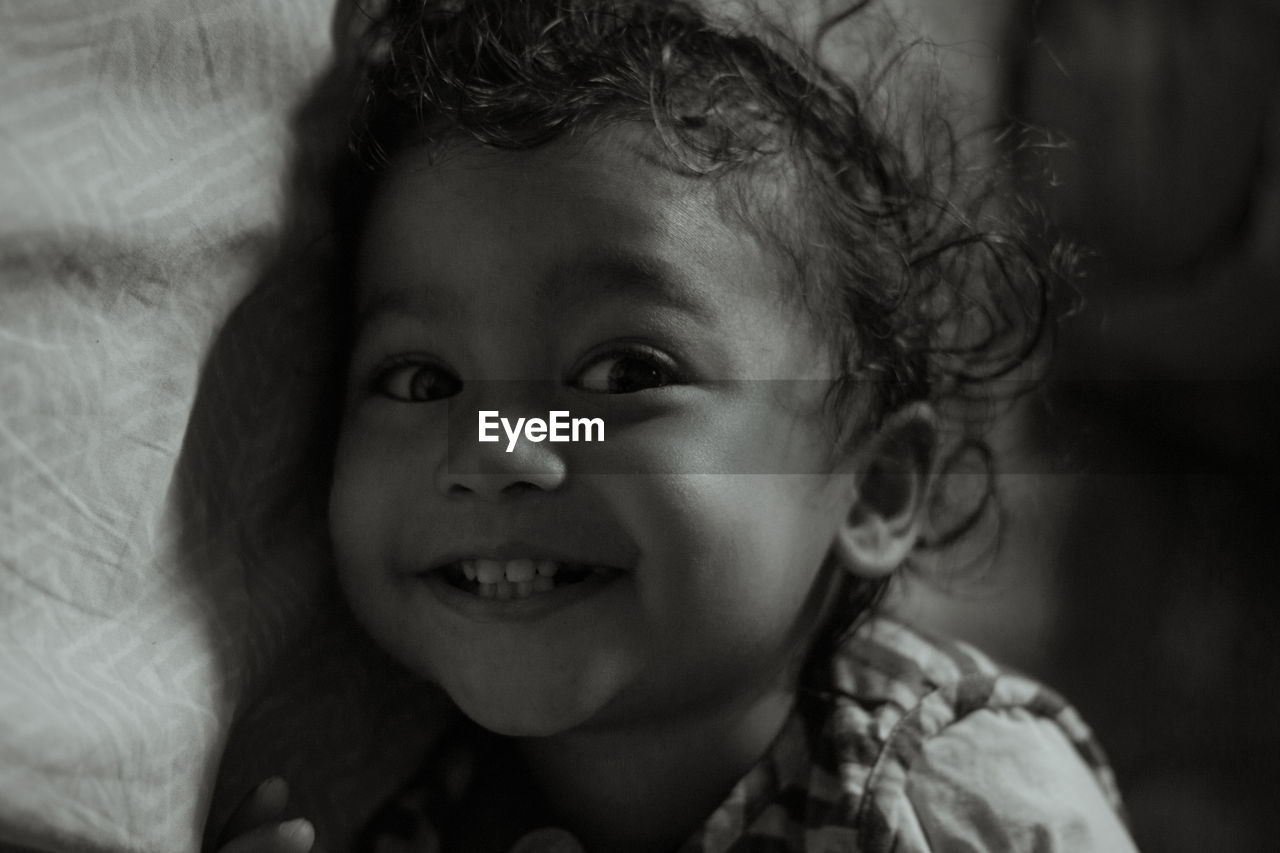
x: 927, y: 286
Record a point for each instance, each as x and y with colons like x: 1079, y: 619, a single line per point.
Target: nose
x: 497, y: 469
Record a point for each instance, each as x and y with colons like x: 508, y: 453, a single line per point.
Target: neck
x: 648, y: 786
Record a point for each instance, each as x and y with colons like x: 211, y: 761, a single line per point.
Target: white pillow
x: 144, y: 145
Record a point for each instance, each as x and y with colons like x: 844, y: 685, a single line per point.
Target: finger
x: 263, y: 805
x: 292, y: 836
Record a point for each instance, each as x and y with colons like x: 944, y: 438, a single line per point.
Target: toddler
x: 772, y: 315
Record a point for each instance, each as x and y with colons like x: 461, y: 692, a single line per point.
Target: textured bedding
x: 140, y: 194
x: 168, y: 634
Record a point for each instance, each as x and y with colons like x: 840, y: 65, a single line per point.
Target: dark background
x: 1140, y: 574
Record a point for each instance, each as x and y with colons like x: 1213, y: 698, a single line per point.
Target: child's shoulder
x: 924, y: 744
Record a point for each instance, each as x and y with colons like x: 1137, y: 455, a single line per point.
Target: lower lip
x: 536, y: 606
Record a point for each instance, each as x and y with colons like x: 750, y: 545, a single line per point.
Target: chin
x: 523, y: 719
x: 516, y: 708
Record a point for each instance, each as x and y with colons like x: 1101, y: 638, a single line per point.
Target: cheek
x: 356, y: 511
x: 730, y: 548
x: 361, y: 531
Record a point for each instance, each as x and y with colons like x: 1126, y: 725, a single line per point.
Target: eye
x: 626, y: 372
x: 416, y: 382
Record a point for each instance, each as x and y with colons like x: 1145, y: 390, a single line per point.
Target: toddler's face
x: 562, y: 585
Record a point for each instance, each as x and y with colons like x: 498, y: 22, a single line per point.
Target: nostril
x: 521, y: 486
x: 503, y: 485
x: 486, y: 470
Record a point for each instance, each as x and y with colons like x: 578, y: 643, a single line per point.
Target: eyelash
x: 655, y: 360
x: 413, y: 367
x: 444, y: 383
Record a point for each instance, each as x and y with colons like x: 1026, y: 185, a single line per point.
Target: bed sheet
x: 140, y: 196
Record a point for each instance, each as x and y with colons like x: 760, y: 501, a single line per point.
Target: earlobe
x: 884, y: 524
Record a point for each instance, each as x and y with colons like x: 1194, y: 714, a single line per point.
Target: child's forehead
x: 619, y: 177
x: 618, y: 185
x: 667, y: 171
x: 619, y: 147
x: 590, y: 216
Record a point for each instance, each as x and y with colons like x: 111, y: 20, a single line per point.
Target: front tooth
x: 504, y: 591
x: 524, y: 589
x: 489, y: 571
x: 468, y: 569
x: 548, y: 568
x: 543, y: 583
x: 519, y: 571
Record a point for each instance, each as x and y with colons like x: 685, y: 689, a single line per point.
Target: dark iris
x: 428, y: 383
x: 415, y: 382
x: 628, y: 375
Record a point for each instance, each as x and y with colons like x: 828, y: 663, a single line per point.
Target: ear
x: 895, y: 476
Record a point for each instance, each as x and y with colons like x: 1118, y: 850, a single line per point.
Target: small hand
x: 257, y: 825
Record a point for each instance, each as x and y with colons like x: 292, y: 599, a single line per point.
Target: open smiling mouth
x: 510, y: 580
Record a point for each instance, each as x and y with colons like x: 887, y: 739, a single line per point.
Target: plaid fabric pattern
x: 834, y: 778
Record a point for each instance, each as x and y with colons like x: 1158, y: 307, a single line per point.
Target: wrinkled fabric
x: 142, y: 150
